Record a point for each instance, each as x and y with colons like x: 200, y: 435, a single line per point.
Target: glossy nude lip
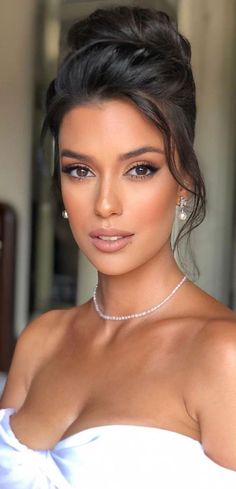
x: 110, y: 245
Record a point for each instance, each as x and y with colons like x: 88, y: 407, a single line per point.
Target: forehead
x: 115, y: 122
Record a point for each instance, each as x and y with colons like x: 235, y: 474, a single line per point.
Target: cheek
x: 156, y: 206
x: 76, y: 202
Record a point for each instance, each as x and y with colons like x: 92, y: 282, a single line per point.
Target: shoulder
x: 42, y: 334
x: 217, y: 336
x: 213, y: 388
x: 215, y: 330
x: 34, y: 345
x: 44, y: 328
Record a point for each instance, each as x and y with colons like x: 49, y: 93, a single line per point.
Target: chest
x: 136, y: 376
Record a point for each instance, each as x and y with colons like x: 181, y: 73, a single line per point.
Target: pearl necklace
x: 138, y: 314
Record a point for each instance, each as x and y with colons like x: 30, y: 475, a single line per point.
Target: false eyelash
x: 153, y: 169
x: 69, y: 168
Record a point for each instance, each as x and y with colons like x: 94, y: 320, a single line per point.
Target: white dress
x: 110, y: 457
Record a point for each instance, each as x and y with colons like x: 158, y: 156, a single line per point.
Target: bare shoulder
x: 214, y: 349
x: 45, y: 330
x: 35, y: 344
x: 214, y: 341
x: 42, y: 334
x: 212, y: 383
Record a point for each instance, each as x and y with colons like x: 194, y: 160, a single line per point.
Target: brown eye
x: 142, y: 171
x: 77, y: 171
x: 81, y: 172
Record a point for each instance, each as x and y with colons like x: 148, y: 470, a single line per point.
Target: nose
x: 108, y: 199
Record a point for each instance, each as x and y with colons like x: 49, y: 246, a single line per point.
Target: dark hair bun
x: 141, y: 27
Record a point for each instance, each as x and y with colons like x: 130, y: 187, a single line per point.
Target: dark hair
x: 138, y: 54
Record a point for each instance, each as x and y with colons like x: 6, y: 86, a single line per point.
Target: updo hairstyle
x: 135, y: 54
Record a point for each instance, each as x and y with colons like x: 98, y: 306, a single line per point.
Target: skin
x: 174, y: 369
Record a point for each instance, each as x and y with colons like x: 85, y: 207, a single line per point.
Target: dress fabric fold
x: 110, y: 457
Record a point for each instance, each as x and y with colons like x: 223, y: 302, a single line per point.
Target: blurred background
x: 40, y: 265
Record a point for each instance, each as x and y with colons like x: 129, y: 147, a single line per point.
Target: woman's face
x: 115, y: 181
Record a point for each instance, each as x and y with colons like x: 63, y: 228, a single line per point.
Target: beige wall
x: 16, y: 93
x: 210, y: 25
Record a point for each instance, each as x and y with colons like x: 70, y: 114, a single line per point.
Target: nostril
x: 106, y: 206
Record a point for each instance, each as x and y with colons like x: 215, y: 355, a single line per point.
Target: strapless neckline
x: 82, y: 436
x: 110, y: 456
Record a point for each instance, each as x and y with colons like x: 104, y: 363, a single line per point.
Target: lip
x: 109, y: 232
x: 110, y: 246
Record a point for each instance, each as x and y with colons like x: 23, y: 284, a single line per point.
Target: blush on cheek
x: 156, y: 204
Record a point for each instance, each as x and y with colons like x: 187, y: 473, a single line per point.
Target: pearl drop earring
x: 182, y: 211
x: 64, y: 214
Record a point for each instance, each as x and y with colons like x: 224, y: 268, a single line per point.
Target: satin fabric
x: 110, y: 457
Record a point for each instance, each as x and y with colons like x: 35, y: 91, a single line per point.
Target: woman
x: 136, y: 387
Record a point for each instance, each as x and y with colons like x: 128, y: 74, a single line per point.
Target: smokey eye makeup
x: 77, y: 171
x: 142, y: 170
x: 137, y: 171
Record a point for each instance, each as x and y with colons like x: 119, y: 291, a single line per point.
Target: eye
x: 142, y: 170
x: 77, y: 171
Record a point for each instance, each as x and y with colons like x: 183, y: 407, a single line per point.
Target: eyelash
x: 68, y: 169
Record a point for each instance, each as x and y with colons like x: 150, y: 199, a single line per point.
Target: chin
x: 111, y: 264
x: 114, y: 269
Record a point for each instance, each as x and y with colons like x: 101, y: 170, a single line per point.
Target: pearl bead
x: 137, y: 314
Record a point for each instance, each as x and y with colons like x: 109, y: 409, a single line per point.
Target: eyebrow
x: 122, y: 157
x: 140, y: 151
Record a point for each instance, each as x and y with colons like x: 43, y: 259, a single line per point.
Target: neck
x: 138, y: 289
